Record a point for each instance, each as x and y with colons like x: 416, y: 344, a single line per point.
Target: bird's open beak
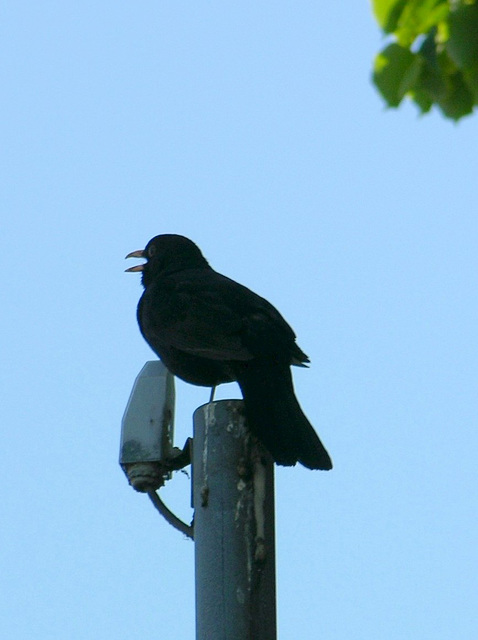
x: 136, y: 254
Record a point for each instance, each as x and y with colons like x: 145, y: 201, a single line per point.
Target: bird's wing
x: 196, y: 321
x: 208, y: 315
x: 266, y: 333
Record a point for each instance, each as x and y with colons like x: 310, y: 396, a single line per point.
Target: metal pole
x: 233, y: 495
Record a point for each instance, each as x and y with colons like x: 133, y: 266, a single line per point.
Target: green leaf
x: 432, y: 81
x: 444, y: 68
x: 471, y: 77
x: 459, y: 100
x: 422, y: 99
x: 428, y: 50
x: 411, y: 76
x: 388, y: 13
x: 418, y: 17
x: 462, y: 45
x: 390, y: 71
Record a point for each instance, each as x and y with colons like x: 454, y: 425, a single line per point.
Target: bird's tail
x: 275, y: 416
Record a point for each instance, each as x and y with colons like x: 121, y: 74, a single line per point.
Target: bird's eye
x: 151, y: 251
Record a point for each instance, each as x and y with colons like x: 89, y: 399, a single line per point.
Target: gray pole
x: 233, y: 494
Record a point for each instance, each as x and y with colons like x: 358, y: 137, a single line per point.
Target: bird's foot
x: 179, y: 458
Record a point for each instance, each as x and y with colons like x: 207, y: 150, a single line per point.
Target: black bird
x: 208, y: 329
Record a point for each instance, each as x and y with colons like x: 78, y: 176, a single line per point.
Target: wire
x: 173, y: 520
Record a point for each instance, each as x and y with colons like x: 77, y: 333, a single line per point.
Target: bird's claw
x: 179, y: 458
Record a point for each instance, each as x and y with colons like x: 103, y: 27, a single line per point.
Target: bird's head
x: 166, y: 254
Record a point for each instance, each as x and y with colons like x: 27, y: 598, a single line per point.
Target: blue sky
x: 254, y: 130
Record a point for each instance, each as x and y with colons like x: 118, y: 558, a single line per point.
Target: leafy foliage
x: 433, y: 56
